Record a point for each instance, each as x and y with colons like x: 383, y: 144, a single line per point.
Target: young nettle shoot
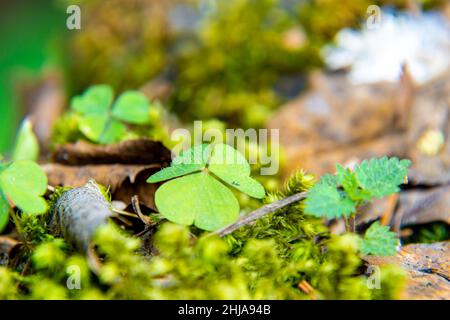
x: 341, y: 195
x: 22, y: 183
x: 103, y: 121
x: 198, y: 195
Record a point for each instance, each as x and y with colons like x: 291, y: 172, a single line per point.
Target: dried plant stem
x: 259, y: 213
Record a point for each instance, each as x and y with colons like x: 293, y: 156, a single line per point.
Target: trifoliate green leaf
x: 326, y: 200
x: 27, y: 145
x: 382, y: 177
x: 96, y: 99
x: 197, y: 199
x: 132, y: 107
x: 379, y: 241
x: 189, y: 161
x: 4, y: 211
x: 232, y: 167
x: 92, y: 125
x: 226, y: 158
x: 113, y: 131
x: 24, y: 182
x: 198, y: 154
x: 174, y: 172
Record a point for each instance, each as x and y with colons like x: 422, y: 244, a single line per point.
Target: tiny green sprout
x: 198, y: 195
x: 103, y: 121
x: 342, y: 194
x: 22, y: 183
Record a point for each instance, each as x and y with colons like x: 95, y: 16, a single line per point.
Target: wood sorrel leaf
x: 189, y: 161
x: 132, y: 107
x: 4, y: 211
x: 24, y: 182
x: 27, y: 145
x: 96, y: 99
x: 197, y: 199
x: 232, y: 167
x: 112, y: 132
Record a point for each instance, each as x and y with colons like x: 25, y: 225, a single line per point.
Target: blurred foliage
x: 122, y: 43
x: 428, y: 233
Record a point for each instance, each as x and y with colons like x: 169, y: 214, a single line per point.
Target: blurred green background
x: 29, y: 32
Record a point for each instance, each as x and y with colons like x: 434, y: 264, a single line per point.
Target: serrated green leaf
x: 132, y: 107
x: 379, y: 241
x: 382, y: 177
x: 24, y: 182
x: 174, y: 172
x: 325, y: 200
x: 4, y: 211
x: 27, y: 145
x: 96, y: 99
x: 197, y: 199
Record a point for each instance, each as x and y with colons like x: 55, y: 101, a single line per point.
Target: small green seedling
x: 103, y: 121
x: 198, y: 196
x: 22, y: 183
x: 340, y: 195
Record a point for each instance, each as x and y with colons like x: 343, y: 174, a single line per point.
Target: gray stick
x: 78, y: 214
x: 259, y: 213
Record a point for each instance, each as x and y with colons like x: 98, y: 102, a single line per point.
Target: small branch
x: 259, y: 213
x: 137, y: 208
x: 346, y: 222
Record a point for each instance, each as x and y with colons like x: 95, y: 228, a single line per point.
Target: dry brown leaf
x: 423, y: 206
x: 136, y: 151
x: 124, y: 181
x: 428, y: 268
x: 335, y: 121
x: 8, y: 248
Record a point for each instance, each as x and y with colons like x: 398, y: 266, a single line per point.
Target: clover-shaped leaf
x: 24, y: 183
x: 103, y: 121
x: 197, y: 199
x: 196, y: 196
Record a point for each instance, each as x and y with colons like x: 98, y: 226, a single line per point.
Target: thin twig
x: 137, y: 208
x: 259, y: 213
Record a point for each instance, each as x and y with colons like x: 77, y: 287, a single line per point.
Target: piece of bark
x: 78, y: 213
x: 124, y: 181
x: 427, y: 267
x: 423, y: 206
x: 136, y: 151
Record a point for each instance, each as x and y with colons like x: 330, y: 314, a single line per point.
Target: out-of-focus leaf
x: 27, y: 145
x: 24, y: 182
x: 132, y: 107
